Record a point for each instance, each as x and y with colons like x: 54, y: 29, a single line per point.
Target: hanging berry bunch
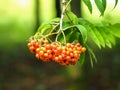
x: 64, y: 54
x: 61, y: 40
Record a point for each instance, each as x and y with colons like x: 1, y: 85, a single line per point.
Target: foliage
x: 101, y: 5
x: 81, y: 30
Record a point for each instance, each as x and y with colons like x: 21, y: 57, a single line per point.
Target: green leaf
x: 91, y: 60
x: 83, y: 32
x: 69, y: 33
x: 100, y: 6
x: 105, y: 36
x: 55, y: 20
x: 82, y: 21
x: 88, y: 4
x: 82, y: 58
x: 70, y: 17
x: 44, y: 29
x: 93, y: 36
x: 99, y: 36
x: 116, y: 2
x: 41, y: 27
x: 91, y: 55
x: 115, y: 30
x: 75, y: 34
x: 104, y: 4
x: 110, y: 36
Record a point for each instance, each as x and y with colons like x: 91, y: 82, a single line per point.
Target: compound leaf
x: 100, y: 6
x: 88, y: 4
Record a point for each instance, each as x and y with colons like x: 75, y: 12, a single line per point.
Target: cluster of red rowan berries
x: 64, y: 54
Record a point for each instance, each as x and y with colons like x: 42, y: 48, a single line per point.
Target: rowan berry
x: 37, y: 50
x: 41, y: 53
x: 48, y: 46
x: 37, y: 56
x: 49, y: 51
x: 45, y: 54
x: 60, y: 57
x: 68, y: 58
x: 29, y: 44
x: 56, y: 59
x: 45, y: 41
x: 32, y: 49
x: 83, y: 49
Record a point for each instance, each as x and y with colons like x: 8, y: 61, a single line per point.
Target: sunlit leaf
x: 99, y: 36
x: 93, y: 36
x: 55, y: 20
x: 115, y: 30
x: 104, y: 4
x: 100, y: 6
x: 88, y: 4
x: 70, y: 17
x: 82, y: 21
x: 116, y: 2
x: 83, y: 31
x: 110, y: 36
x: 105, y: 36
x: 45, y: 29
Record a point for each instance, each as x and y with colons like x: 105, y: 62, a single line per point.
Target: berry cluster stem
x: 62, y: 16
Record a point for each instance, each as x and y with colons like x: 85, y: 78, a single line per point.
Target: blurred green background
x: 20, y: 70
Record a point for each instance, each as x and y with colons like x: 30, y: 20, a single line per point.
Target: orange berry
x: 41, y: 53
x: 46, y: 60
x: 49, y: 51
x: 78, y: 45
x: 56, y: 59
x: 53, y: 57
x: 37, y: 50
x: 37, y: 56
x: 49, y: 56
x: 48, y: 46
x: 73, y: 60
x: 63, y: 47
x: 29, y: 44
x: 36, y: 44
x: 60, y: 57
x: 45, y: 54
x: 83, y: 49
x: 79, y: 48
x: 43, y: 49
x: 63, y: 51
x: 33, y: 42
x: 67, y: 53
x: 69, y: 49
x: 68, y: 58
x: 71, y: 54
x: 32, y: 49
x: 46, y: 41
x: 63, y: 56
x: 76, y: 55
x: 59, y: 49
x: 56, y: 52
x: 68, y: 45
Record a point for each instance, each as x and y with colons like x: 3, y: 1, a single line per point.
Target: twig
x: 64, y: 7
